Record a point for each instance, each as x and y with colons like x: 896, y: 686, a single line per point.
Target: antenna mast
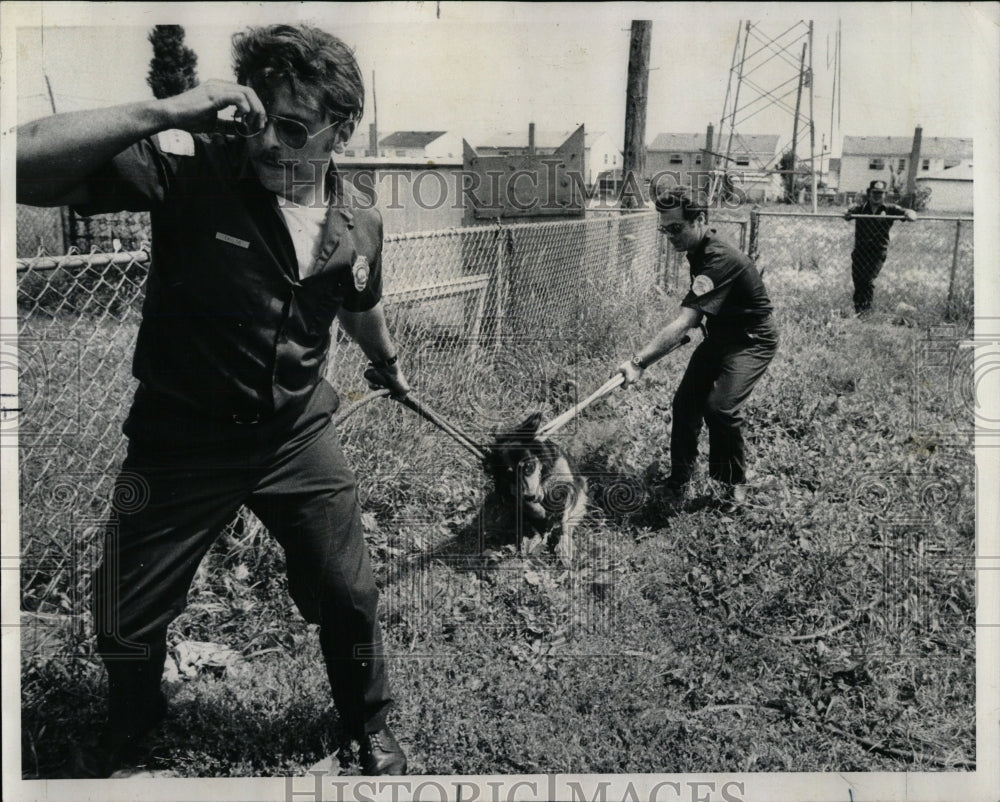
x: 767, y: 73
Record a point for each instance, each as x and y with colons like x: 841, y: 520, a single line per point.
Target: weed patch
x: 827, y: 626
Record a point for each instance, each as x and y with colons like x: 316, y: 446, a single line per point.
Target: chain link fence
x: 46, y: 231
x: 677, y: 271
x: 492, y: 323
x: 924, y: 273
x: 41, y: 230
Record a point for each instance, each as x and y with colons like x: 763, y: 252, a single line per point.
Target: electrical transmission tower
x: 768, y: 72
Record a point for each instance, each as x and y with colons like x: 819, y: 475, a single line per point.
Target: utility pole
x: 812, y: 124
x: 822, y: 154
x: 634, y: 161
x: 373, y: 126
x: 795, y: 125
x: 836, y: 80
x: 911, y: 174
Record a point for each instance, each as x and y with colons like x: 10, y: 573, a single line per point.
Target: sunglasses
x: 290, y: 133
x: 673, y: 229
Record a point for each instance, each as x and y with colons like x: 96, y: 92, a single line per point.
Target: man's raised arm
x: 55, y: 155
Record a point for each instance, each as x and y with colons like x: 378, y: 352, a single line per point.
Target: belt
x: 155, y: 403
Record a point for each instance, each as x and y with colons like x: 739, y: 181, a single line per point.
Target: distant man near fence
x: 257, y: 247
x: 740, y: 341
x: 871, y: 241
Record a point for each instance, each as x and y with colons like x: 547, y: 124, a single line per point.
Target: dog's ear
x: 531, y: 424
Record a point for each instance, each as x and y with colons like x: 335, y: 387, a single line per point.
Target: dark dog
x: 549, y: 498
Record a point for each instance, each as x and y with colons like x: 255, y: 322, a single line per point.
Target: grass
x: 827, y: 627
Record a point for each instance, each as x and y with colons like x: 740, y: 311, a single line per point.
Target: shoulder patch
x: 176, y: 142
x: 701, y: 285
x: 361, y: 271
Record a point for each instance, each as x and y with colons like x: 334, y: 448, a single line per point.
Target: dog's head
x: 517, y: 461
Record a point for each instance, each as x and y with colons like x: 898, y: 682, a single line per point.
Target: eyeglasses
x: 290, y: 133
x: 673, y: 229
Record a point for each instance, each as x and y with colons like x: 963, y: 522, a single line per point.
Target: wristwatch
x: 387, y: 363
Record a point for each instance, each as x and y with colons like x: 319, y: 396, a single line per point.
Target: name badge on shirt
x: 360, y: 270
x: 701, y: 285
x: 239, y: 243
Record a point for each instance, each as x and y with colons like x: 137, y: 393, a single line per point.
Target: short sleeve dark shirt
x: 228, y: 327
x: 871, y: 234
x: 726, y: 288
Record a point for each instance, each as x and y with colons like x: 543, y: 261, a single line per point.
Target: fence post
x: 753, y: 248
x: 66, y: 224
x: 949, y: 311
x: 477, y: 323
x: 613, y: 234
x: 501, y: 300
x: 70, y: 228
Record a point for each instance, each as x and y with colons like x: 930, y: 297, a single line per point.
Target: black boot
x: 381, y: 754
x: 118, y: 745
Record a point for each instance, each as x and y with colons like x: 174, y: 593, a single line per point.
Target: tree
x: 916, y: 200
x: 172, y: 68
x: 897, y: 180
x: 793, y: 180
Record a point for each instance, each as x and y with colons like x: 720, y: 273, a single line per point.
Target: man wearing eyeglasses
x: 258, y: 245
x: 727, y: 294
x: 871, y: 241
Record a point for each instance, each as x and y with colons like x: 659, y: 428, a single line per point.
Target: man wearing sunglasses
x: 740, y: 341
x: 258, y: 246
x: 871, y: 242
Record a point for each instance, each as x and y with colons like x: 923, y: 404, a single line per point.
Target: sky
x: 477, y: 68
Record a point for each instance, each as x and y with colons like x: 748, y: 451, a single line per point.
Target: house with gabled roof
x: 950, y: 188
x: 864, y: 159
x: 414, y: 178
x: 750, y: 164
x: 831, y: 176
x: 600, y: 153
x: 438, y: 146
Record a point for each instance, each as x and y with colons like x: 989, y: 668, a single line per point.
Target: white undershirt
x: 305, y: 224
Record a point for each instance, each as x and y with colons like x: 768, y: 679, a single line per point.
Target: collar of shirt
x: 698, y: 251
x: 337, y: 192
x: 305, y: 225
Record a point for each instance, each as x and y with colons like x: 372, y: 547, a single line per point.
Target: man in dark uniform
x: 871, y: 241
x: 258, y: 245
x: 740, y: 341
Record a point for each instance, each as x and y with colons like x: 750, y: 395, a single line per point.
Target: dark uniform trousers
x: 866, y: 264
x: 718, y: 380
x: 182, y: 481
